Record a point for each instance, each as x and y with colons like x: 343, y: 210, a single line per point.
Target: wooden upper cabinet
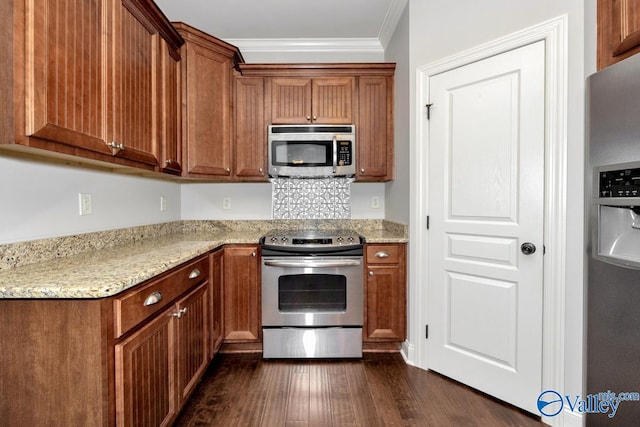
x: 618, y: 30
x: 207, y: 65
x: 131, y: 108
x: 64, y: 74
x: 374, y: 129
x: 250, y: 128
x: 319, y: 100
x: 170, y: 110
x: 86, y: 78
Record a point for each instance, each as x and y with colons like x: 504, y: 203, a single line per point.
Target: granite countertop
x: 104, y: 272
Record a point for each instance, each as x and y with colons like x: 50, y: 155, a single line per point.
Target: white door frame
x: 554, y: 34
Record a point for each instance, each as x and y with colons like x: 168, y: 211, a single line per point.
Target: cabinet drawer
x: 141, y: 302
x: 383, y: 254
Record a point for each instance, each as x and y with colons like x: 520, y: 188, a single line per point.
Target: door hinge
x: 427, y: 222
x: 426, y: 332
x: 428, y: 107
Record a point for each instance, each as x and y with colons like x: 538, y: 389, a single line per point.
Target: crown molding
x: 369, y: 45
x: 391, y: 21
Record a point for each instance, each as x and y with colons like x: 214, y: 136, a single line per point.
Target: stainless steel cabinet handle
x: 383, y: 254
x: 194, y: 273
x: 180, y: 313
x: 152, y: 299
x: 312, y: 263
x: 115, y: 145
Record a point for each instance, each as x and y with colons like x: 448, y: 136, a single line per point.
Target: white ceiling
x: 243, y: 20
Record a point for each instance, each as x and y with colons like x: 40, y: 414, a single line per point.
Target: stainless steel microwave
x: 312, y: 151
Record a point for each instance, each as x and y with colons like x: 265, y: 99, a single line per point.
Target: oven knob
x: 274, y: 239
x: 340, y: 239
x: 350, y: 238
x: 284, y: 239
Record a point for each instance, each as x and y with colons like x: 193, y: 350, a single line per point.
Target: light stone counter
x: 103, y: 264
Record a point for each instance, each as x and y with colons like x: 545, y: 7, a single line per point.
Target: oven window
x: 312, y: 292
x: 302, y: 153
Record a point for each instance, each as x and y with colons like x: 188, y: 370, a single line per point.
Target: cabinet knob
x: 361, y: 170
x: 194, y: 273
x: 370, y: 273
x: 228, y: 170
x: 315, y: 117
x: 309, y: 118
x: 168, y: 161
x: 253, y: 253
x: 178, y: 314
x: 260, y: 170
x: 115, y: 146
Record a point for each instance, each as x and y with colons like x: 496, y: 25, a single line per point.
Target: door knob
x: 528, y: 248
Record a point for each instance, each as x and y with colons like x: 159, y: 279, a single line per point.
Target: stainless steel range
x: 312, y: 294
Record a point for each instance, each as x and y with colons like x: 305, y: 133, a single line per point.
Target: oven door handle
x: 313, y: 263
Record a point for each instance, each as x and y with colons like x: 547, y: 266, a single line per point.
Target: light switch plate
x: 85, y: 203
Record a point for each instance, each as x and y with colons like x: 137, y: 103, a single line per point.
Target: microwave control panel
x: 345, y: 155
x: 619, y: 183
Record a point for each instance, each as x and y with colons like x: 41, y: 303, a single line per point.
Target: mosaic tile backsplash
x: 311, y: 198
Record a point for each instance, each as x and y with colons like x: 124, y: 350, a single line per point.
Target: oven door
x: 312, y: 291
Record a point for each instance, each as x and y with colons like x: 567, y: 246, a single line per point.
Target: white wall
x: 439, y: 30
x: 253, y: 201
x: 39, y: 200
x: 397, y: 191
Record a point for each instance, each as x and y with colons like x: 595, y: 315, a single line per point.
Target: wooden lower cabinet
x: 158, y: 366
x: 215, y: 300
x: 242, y: 312
x: 385, y: 293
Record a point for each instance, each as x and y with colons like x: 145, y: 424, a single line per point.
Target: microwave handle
x: 335, y: 154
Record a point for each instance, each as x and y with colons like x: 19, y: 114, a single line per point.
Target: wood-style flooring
x: 378, y: 390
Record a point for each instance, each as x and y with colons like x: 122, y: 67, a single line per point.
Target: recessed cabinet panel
x: 65, y: 81
x: 290, y: 101
x: 250, y: 129
x: 374, y: 129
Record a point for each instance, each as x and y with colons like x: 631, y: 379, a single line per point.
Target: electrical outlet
x: 163, y: 203
x: 85, y: 204
x: 375, y: 202
x: 226, y: 203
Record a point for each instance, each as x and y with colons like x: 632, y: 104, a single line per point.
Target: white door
x: 486, y: 195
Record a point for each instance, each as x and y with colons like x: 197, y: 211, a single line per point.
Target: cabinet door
x: 618, y: 30
x: 144, y: 376
x: 241, y: 294
x: 250, y: 129
x: 385, y: 304
x: 207, y: 122
x: 215, y: 302
x: 290, y: 100
x: 385, y: 293
x: 332, y: 100
x: 65, y: 66
x: 170, y: 114
x: 374, y: 129
x: 192, y: 347
x: 132, y: 106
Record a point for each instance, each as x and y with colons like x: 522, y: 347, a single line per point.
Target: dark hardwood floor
x: 378, y: 390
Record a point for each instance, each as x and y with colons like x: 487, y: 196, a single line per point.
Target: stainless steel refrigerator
x: 612, y: 186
